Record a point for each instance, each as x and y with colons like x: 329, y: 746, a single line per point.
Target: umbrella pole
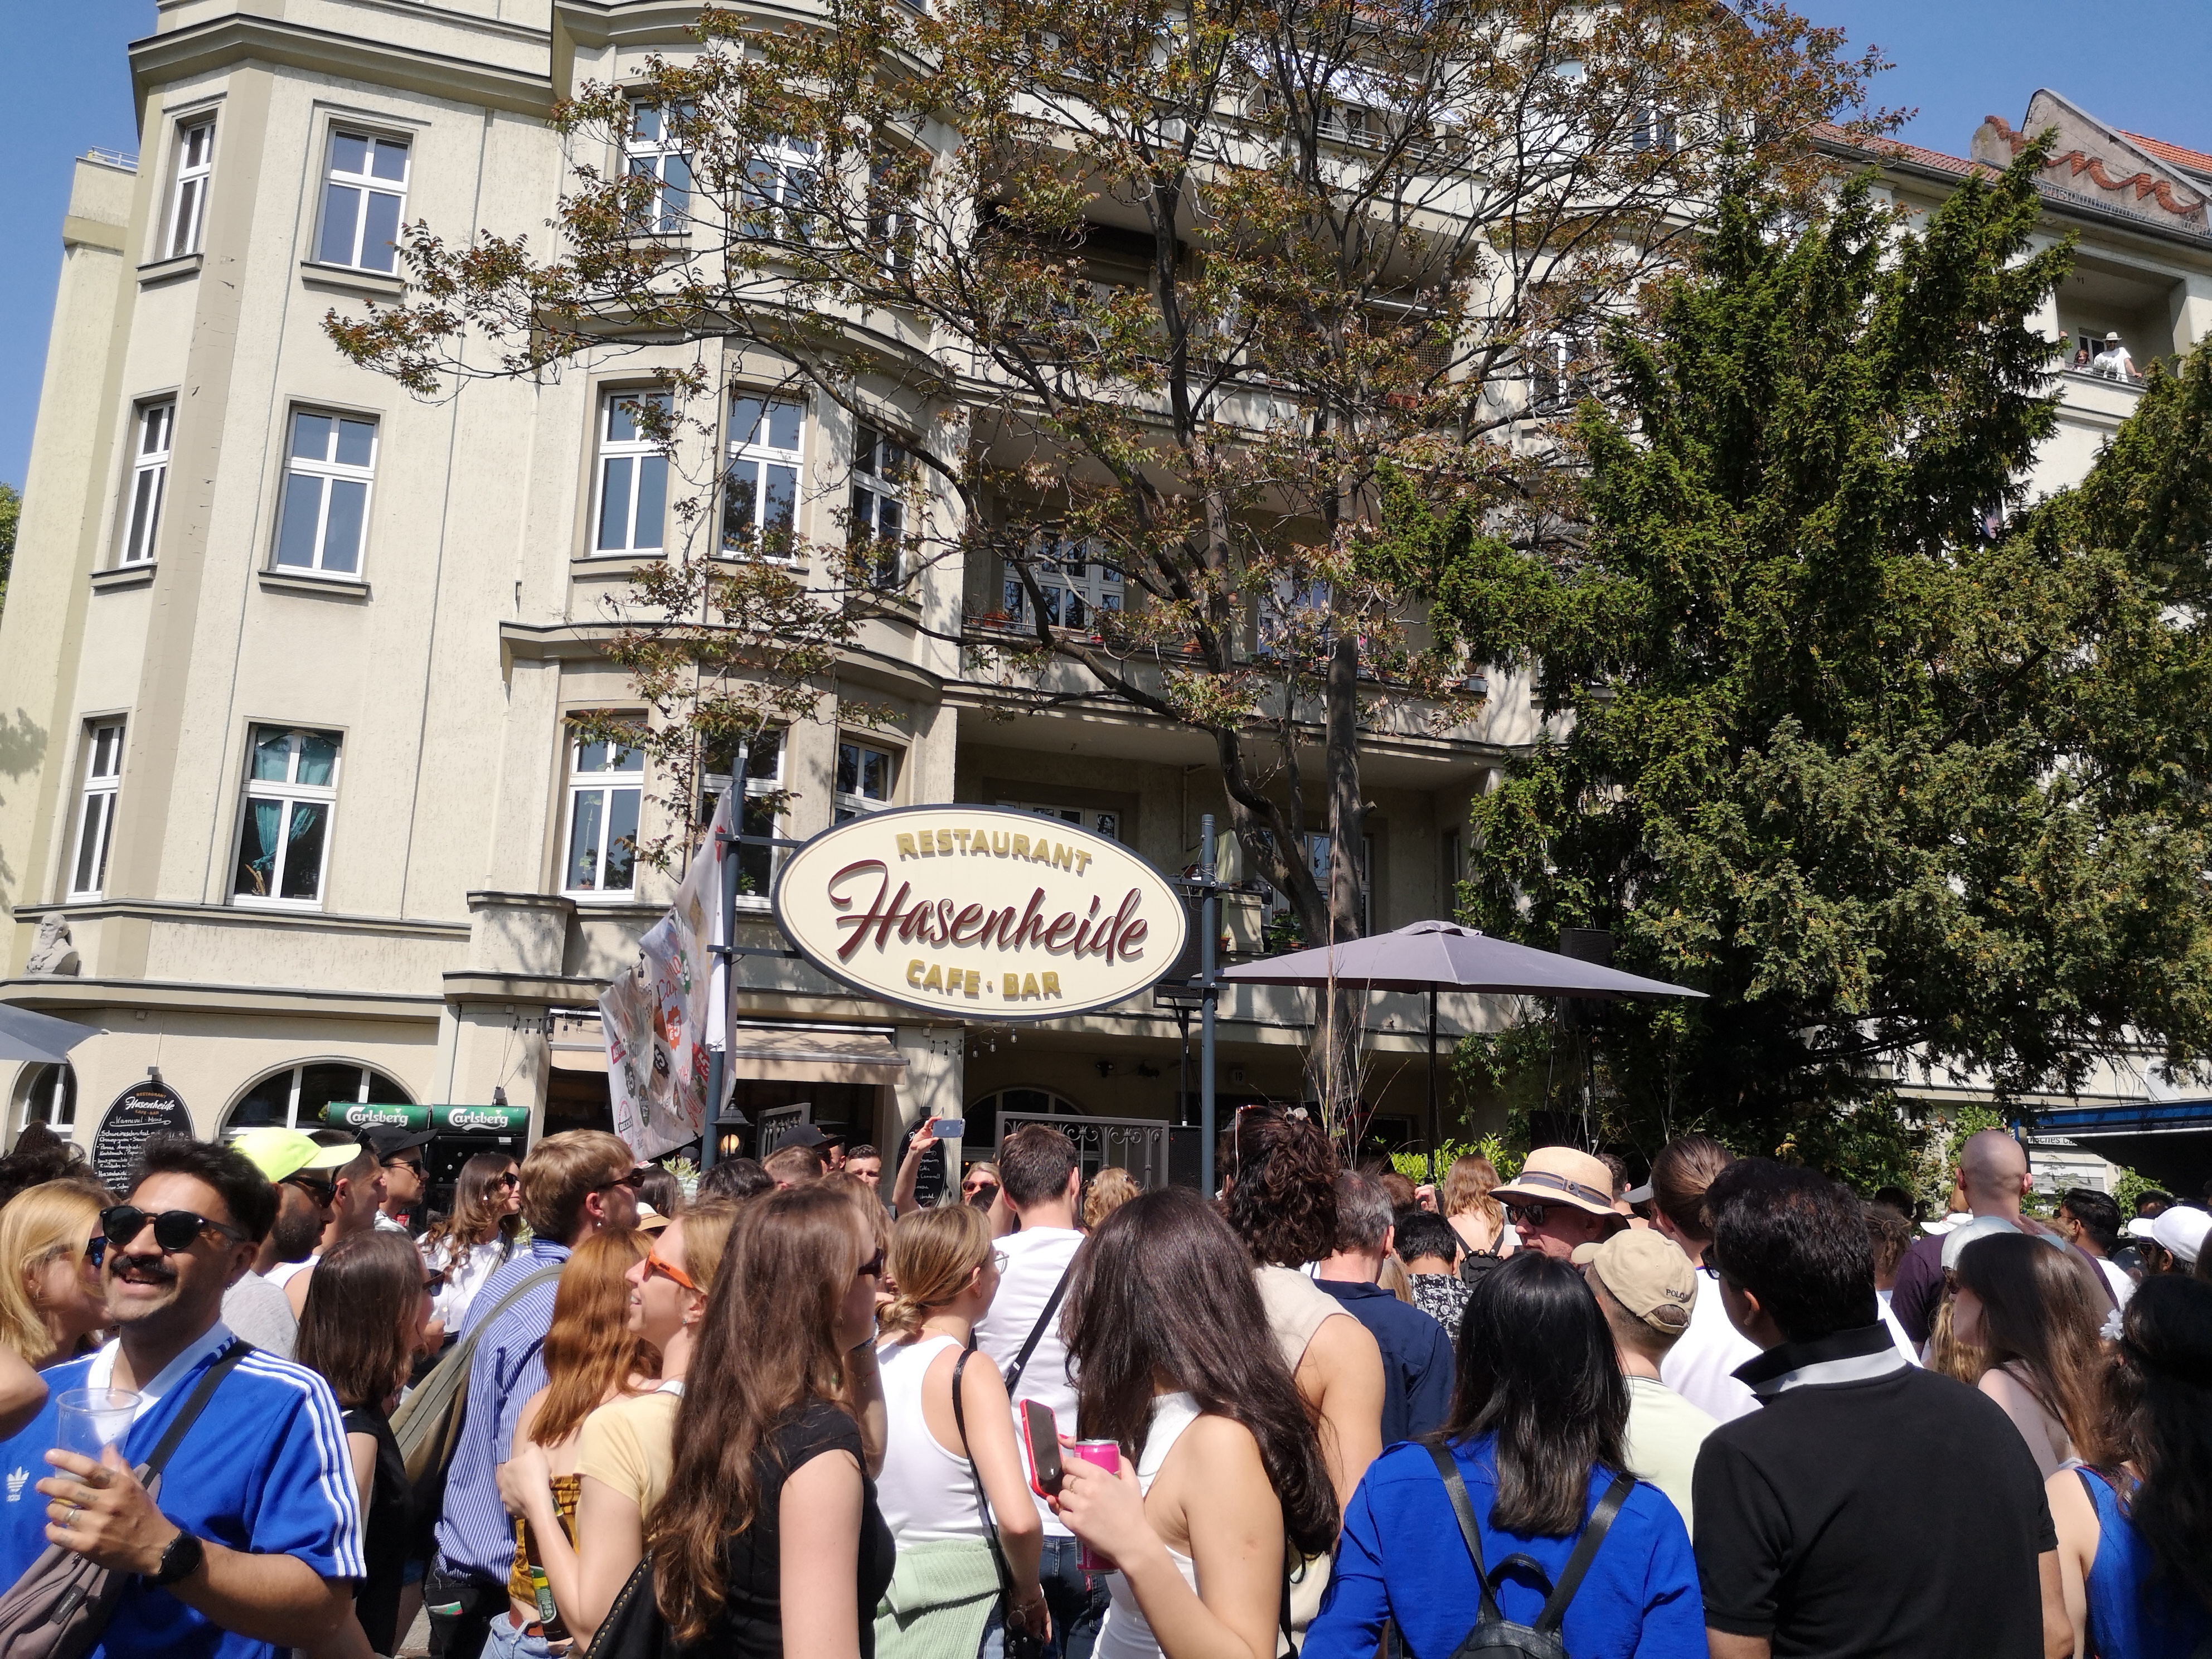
x: 1432, y: 1085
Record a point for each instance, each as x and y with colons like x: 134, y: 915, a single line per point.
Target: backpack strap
x: 1455, y: 1488
x: 195, y: 1403
x: 1036, y: 1332
x: 1570, y: 1577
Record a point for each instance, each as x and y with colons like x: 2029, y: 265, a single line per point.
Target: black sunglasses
x: 632, y: 1181
x: 321, y: 1191
x: 1534, y: 1214
x: 510, y: 1179
x: 404, y: 1161
x: 173, y: 1229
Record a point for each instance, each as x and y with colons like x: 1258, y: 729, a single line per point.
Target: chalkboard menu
x: 140, y: 1112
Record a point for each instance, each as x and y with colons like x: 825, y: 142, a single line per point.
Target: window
x: 1274, y: 904
x: 879, y: 515
x: 654, y: 152
x: 96, y: 818
x: 290, y: 791
x: 1107, y: 824
x: 757, y: 762
x: 604, y: 782
x: 891, y: 227
x: 149, y: 481
x: 633, y: 475
x: 295, y: 1097
x: 1653, y: 129
x: 865, y: 776
x: 1075, y: 586
x: 363, y: 192
x: 1295, y: 613
x: 1558, y: 372
x: 778, y: 183
x: 760, y: 490
x: 47, y: 1094
x: 327, y: 475
x: 188, y: 205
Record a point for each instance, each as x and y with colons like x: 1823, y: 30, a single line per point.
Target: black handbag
x: 633, y: 1628
x: 1020, y: 1643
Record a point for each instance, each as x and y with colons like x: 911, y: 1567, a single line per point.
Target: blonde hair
x: 935, y: 1253
x: 1110, y: 1188
x: 39, y: 1223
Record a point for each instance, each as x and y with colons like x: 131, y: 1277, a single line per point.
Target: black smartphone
x: 1041, y: 1435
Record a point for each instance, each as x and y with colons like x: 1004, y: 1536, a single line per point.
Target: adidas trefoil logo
x: 16, y: 1480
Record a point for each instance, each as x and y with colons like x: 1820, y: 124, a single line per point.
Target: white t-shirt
x: 1037, y: 1258
x: 2113, y: 363
x: 1697, y: 1366
x: 2117, y: 1277
x: 1664, y: 1434
x: 281, y: 1273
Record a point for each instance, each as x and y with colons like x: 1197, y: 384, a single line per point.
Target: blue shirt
x: 1417, y: 1358
x: 264, y: 1470
x: 1402, y: 1557
x: 475, y: 1535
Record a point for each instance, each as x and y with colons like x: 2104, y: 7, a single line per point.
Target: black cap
x: 387, y: 1143
x: 804, y: 1135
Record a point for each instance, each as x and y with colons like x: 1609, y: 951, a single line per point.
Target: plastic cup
x: 1105, y: 1454
x: 89, y: 1420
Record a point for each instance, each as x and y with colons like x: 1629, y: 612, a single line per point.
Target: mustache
x: 150, y: 1267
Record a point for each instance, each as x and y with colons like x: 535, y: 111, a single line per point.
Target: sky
x: 2140, y: 64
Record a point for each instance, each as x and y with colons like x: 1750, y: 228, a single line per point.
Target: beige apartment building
x: 291, y: 812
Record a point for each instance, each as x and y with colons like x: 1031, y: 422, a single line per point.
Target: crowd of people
x: 1738, y: 1410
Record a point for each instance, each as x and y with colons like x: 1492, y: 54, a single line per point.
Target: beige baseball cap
x: 1648, y: 1274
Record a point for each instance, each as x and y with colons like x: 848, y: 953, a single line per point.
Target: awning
x: 575, y: 1043
x: 795, y: 1054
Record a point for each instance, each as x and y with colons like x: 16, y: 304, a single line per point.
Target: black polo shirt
x: 1870, y: 1507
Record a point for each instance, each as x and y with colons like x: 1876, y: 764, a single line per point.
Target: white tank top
x: 926, y: 1491
x: 1124, y: 1634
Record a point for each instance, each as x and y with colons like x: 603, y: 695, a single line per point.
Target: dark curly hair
x: 1281, y: 1188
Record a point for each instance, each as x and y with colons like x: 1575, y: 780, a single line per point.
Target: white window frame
x: 758, y: 765
x: 649, y: 149
x: 606, y: 782
x: 154, y: 437
x: 847, y: 804
x: 355, y: 255
x: 60, y: 1091
x: 781, y: 175
x: 755, y: 446
x: 637, y: 455
x: 95, y: 812
x: 1318, y: 854
x: 298, y: 1075
x: 879, y: 504
x: 289, y: 795
x: 1653, y: 127
x: 1078, y: 586
x: 1555, y: 384
x: 326, y: 473
x: 1097, y: 820
x: 188, y: 195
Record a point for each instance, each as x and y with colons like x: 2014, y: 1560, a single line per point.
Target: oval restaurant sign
x: 979, y: 910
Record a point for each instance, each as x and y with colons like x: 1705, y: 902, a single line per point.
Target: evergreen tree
x: 1898, y: 766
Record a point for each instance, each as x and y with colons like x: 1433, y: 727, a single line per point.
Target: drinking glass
x: 89, y: 1420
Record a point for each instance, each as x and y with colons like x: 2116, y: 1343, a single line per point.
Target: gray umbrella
x: 1436, y: 956
x: 26, y: 1035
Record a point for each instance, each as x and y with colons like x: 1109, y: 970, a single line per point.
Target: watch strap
x: 181, y: 1560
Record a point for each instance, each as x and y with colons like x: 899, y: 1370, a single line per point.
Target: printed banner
x: 655, y: 1016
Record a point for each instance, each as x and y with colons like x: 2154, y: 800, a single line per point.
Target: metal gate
x: 777, y: 1122
x: 1139, y: 1145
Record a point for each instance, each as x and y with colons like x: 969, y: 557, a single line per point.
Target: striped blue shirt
x: 475, y: 1536
x: 265, y: 1469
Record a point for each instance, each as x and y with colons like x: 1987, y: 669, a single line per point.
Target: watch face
x: 180, y: 1559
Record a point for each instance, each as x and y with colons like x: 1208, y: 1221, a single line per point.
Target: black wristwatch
x: 181, y: 1560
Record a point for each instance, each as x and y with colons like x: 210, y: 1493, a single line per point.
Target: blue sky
x: 2141, y: 64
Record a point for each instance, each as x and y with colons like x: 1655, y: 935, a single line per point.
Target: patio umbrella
x: 26, y: 1035
x: 1437, y: 956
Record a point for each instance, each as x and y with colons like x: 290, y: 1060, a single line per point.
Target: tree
x: 11, y: 513
x: 1893, y: 764
x: 1173, y: 292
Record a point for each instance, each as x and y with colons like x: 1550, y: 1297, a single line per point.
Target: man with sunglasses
x: 256, y: 1534
x: 356, y: 1197
x: 574, y: 1184
x: 399, y: 1156
x: 1561, y: 1201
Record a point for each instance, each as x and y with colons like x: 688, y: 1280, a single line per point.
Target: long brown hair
x: 1164, y: 1289
x: 479, y: 1209
x: 1468, y: 1186
x: 361, y: 1290
x: 2040, y: 1316
x: 766, y: 1348
x: 589, y: 1352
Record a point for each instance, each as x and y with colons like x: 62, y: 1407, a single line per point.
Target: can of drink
x: 1105, y: 1454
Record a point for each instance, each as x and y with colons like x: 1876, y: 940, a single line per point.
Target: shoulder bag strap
x: 1570, y: 1578
x: 1463, y: 1509
x: 1036, y: 1331
x: 982, y: 1503
x: 195, y: 1403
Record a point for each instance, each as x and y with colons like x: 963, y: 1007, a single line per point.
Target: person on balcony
x: 2113, y: 361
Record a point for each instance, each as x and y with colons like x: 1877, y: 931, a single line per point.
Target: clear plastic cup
x: 1105, y: 1454
x: 89, y: 1420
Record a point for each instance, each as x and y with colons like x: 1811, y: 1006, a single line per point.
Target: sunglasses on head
x: 173, y: 1229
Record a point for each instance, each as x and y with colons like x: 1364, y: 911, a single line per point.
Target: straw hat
x: 1560, y: 1175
